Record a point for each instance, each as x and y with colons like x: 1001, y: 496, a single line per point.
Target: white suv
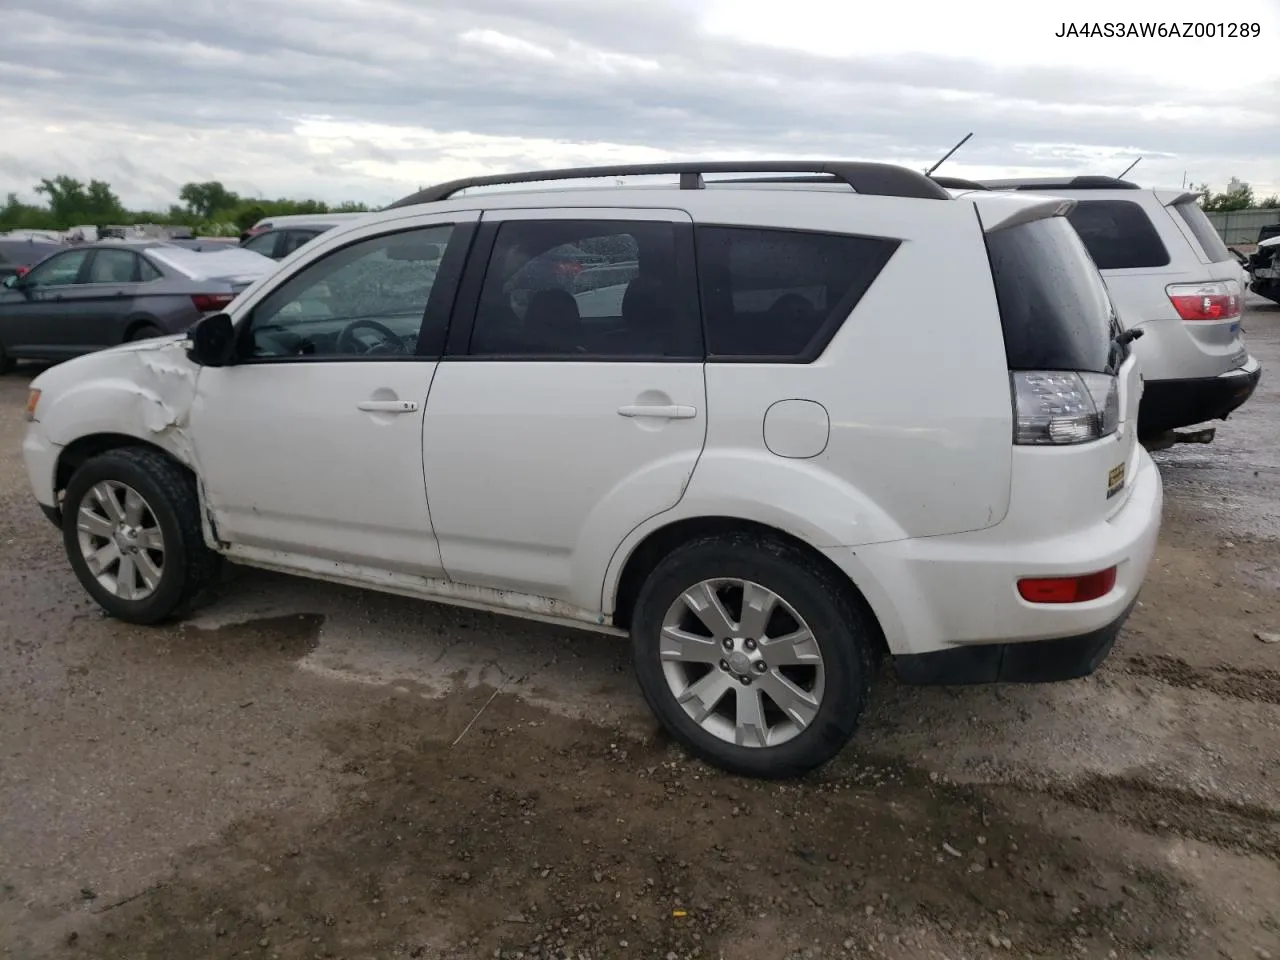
x: 1170, y: 276
x: 729, y: 420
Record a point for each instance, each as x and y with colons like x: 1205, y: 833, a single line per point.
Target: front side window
x: 367, y: 299
x: 58, y: 271
x: 782, y: 294
x: 113, y: 266
x: 1118, y: 234
x: 582, y: 289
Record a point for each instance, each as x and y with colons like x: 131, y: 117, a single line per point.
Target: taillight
x: 1057, y: 408
x: 1077, y: 589
x: 212, y: 302
x: 1205, y: 301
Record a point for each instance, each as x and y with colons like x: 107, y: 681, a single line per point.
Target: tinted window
x: 59, y: 270
x: 1204, y: 231
x: 573, y: 288
x: 112, y: 266
x: 293, y: 239
x: 147, y: 270
x: 367, y: 299
x: 263, y: 243
x: 781, y: 294
x: 1053, y: 304
x: 1118, y: 234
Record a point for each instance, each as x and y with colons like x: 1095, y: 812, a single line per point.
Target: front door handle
x: 670, y: 411
x: 387, y: 406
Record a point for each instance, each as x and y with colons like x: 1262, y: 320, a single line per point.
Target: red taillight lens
x: 1205, y: 301
x: 1089, y: 586
x: 212, y: 302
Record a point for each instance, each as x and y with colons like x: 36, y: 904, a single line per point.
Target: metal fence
x: 1241, y: 226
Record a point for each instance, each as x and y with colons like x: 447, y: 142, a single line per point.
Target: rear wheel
x: 6, y: 362
x: 145, y: 331
x: 131, y: 528
x: 752, y: 655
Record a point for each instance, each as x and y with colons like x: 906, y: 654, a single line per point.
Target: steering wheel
x: 347, y: 342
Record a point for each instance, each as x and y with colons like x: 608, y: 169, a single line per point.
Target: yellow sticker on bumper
x: 1115, y: 481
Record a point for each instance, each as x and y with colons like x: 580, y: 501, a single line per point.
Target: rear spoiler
x: 999, y: 211
x: 1171, y: 198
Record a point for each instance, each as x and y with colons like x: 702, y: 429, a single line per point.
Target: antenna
x: 929, y: 172
x: 1128, y: 168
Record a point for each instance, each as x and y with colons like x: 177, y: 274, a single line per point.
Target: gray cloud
x: 234, y: 77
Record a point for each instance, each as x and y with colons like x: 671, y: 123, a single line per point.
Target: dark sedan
x: 97, y: 295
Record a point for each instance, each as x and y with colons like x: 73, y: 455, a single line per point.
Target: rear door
x: 571, y: 405
x: 111, y: 283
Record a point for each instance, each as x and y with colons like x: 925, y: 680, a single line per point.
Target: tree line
x: 211, y: 209
x: 208, y: 208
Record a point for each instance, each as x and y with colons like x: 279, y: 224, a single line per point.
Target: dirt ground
x: 303, y: 771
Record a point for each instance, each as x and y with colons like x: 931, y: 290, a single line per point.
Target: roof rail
x: 1063, y: 183
x: 880, y: 179
x: 959, y: 183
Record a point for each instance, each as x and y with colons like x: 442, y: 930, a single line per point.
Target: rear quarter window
x: 781, y: 295
x: 1205, y: 233
x: 1118, y: 235
x: 1054, y: 306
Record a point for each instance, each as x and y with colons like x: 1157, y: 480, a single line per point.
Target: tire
x: 842, y: 636
x: 144, y: 332
x: 171, y: 507
x: 6, y: 362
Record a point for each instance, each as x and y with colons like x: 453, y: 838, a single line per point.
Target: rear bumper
x: 1170, y: 404
x: 1044, y: 661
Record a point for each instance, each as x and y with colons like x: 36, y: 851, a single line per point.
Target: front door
x: 310, y: 445
x: 570, y: 406
x: 38, y: 317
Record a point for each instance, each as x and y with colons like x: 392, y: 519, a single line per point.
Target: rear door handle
x: 387, y: 406
x: 671, y: 411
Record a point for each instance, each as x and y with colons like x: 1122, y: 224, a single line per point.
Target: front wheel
x: 752, y: 655
x: 131, y: 528
x: 145, y: 332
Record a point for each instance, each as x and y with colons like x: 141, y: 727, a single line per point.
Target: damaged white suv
x: 723, y: 417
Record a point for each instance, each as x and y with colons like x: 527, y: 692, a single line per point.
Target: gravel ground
x: 304, y: 771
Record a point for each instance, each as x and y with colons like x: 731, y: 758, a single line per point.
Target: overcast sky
x: 368, y: 99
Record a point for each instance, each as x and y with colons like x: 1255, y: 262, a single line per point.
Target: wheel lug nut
x: 727, y: 643
x: 724, y: 665
x: 750, y: 644
x: 746, y: 681
x: 761, y: 666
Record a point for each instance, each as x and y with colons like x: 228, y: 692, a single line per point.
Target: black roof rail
x: 1063, y: 183
x: 959, y: 183
x: 880, y: 179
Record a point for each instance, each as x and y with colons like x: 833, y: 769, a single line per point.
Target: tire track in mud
x: 1256, y: 686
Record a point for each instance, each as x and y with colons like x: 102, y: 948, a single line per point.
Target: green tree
x: 1271, y: 203
x: 204, y: 200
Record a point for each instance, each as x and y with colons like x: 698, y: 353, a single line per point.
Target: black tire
x: 844, y: 635
x: 6, y: 362
x: 170, y: 493
x: 145, y: 331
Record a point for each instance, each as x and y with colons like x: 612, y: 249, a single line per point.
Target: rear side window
x: 1054, y: 306
x: 1118, y: 235
x: 782, y: 294
x: 1204, y: 231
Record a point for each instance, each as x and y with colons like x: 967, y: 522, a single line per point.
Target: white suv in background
x: 725, y: 419
x: 1172, y: 277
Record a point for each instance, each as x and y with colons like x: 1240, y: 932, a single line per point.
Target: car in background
x: 19, y: 256
x: 87, y: 297
x: 1263, y: 264
x: 1176, y: 286
x: 277, y: 237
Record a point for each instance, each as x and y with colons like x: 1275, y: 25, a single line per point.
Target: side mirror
x: 212, y: 341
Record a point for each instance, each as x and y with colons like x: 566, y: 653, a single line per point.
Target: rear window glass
x: 1118, y: 234
x: 1204, y: 231
x: 1054, y: 306
x: 782, y: 294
